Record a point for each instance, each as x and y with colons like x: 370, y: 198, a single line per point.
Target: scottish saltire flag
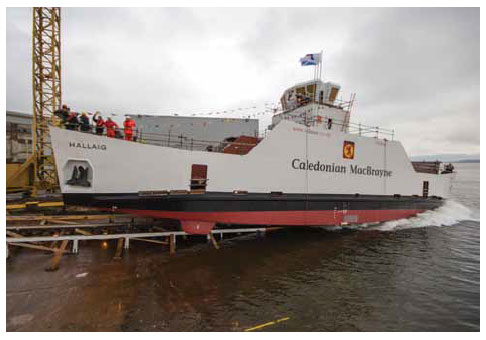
x: 310, y: 59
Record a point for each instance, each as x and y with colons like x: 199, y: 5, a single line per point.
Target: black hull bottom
x: 262, y: 209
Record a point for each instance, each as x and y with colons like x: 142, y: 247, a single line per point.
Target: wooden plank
x: 38, y: 204
x: 172, y: 244
x: 119, y: 249
x: 25, y: 166
x: 149, y: 240
x: 33, y: 246
x: 213, y: 240
x: 54, y: 243
x: 63, y: 217
x: 15, y: 206
x: 56, y: 259
x: 62, y: 221
x: 51, y: 204
x: 12, y: 234
x: 82, y: 232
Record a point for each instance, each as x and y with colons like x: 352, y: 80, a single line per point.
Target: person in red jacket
x: 110, y: 127
x: 72, y: 122
x: 100, y: 123
x: 129, y: 124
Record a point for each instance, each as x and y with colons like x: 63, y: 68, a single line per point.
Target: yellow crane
x: 47, y: 97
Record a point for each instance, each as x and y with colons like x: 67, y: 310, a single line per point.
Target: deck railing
x: 346, y: 125
x: 181, y: 141
x: 178, y: 141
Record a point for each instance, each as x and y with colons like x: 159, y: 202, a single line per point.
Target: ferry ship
x: 313, y: 168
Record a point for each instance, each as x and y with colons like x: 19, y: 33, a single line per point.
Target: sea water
x: 418, y: 274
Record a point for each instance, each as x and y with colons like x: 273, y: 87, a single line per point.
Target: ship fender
x: 197, y: 227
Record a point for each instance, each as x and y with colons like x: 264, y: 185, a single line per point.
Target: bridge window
x: 333, y: 94
x: 311, y: 90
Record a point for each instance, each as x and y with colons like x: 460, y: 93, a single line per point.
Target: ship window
x: 300, y: 90
x: 333, y: 95
x: 199, y: 174
x: 310, y: 89
x: 321, y: 97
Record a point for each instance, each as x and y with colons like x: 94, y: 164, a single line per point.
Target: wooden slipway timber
x: 65, y: 238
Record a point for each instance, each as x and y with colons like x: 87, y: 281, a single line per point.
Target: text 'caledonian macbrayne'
x: 337, y: 168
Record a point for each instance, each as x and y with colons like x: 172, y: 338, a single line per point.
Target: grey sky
x: 414, y: 70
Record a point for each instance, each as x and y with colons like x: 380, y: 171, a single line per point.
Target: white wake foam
x: 450, y: 213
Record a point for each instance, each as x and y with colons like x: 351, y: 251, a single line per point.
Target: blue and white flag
x: 310, y: 59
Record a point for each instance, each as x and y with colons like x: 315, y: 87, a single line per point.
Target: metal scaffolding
x: 46, y: 90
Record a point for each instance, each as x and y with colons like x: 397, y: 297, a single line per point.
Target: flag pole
x: 320, y: 67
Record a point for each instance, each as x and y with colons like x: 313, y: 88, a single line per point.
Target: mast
x: 317, y: 77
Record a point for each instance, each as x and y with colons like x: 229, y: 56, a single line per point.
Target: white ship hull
x: 294, y: 176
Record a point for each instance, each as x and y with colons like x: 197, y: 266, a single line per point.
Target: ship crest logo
x: 348, y: 150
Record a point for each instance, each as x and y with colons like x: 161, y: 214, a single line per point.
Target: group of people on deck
x: 73, y: 121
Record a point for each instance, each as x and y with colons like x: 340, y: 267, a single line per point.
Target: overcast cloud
x: 414, y: 70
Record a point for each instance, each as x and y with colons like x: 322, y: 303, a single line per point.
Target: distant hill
x: 452, y: 158
x: 467, y: 161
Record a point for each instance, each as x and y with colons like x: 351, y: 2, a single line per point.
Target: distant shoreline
x: 447, y: 161
x: 467, y: 161
x: 444, y: 158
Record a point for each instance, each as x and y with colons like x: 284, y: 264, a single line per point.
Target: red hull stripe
x: 322, y: 217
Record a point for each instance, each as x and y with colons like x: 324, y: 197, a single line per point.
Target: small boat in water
x: 313, y: 168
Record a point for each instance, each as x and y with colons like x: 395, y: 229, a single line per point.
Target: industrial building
x: 194, y: 133
x: 186, y: 132
x: 19, y: 136
x: 19, y: 147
